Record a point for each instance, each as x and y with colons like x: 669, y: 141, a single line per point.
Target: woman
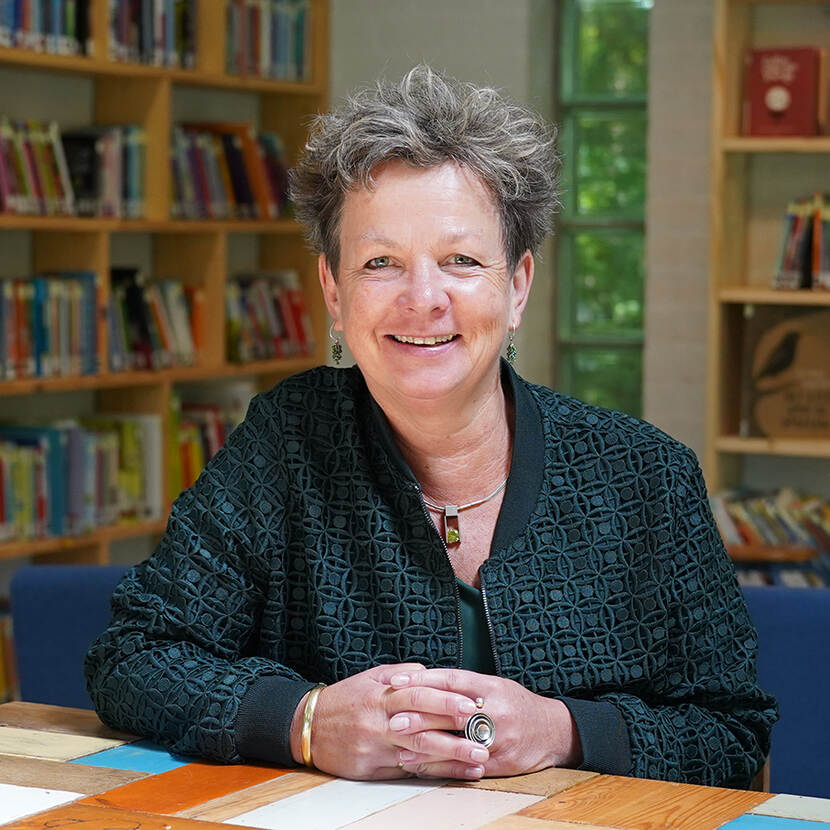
x: 426, y: 533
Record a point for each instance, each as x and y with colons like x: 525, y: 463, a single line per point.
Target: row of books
x: 61, y: 27
x: 48, y: 325
x: 779, y: 518
x: 266, y: 317
x: 814, y: 573
x: 805, y: 249
x: 91, y: 171
x: 9, y: 688
x: 72, y: 476
x: 198, y: 430
x: 157, y: 32
x: 269, y: 39
x: 152, y: 324
x: 224, y: 170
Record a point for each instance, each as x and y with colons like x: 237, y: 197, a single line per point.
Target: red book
x: 785, y: 92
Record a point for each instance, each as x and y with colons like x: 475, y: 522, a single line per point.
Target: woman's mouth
x: 436, y: 340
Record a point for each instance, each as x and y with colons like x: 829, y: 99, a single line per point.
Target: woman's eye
x: 461, y: 259
x: 379, y: 262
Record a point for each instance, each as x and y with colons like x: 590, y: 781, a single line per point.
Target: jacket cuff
x: 603, y: 734
x: 263, y: 721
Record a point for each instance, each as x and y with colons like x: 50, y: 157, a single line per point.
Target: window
x: 603, y: 81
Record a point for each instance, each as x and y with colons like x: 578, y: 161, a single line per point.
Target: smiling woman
x: 424, y: 565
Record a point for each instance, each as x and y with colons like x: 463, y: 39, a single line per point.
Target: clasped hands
x: 396, y: 721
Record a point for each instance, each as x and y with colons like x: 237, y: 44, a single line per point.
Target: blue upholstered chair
x: 57, y: 611
x: 794, y: 664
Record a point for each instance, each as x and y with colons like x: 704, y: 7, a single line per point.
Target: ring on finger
x: 479, y: 701
x: 481, y: 729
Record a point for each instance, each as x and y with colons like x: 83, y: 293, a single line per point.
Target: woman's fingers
x: 428, y: 768
x: 437, y: 745
x: 430, y: 701
x: 407, y: 723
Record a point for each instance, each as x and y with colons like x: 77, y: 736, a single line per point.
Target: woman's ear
x: 520, y: 284
x: 331, y: 291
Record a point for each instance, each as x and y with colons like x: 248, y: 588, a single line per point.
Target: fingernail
x: 402, y: 680
x: 467, y: 707
x: 399, y: 722
x: 479, y: 755
x: 407, y: 755
x: 474, y: 772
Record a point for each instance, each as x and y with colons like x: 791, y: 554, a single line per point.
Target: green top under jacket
x: 304, y: 553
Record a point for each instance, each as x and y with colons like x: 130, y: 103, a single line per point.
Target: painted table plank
x: 39, y: 772
x: 641, y: 804
x: 17, y: 802
x: 333, y: 804
x: 447, y: 808
x: 796, y: 806
x: 141, y: 756
x: 753, y: 821
x: 106, y: 818
x: 184, y: 787
x: 233, y: 804
x: 57, y: 746
x: 58, y: 719
x: 547, y: 782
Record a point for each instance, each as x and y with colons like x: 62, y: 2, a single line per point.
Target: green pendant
x: 453, y: 536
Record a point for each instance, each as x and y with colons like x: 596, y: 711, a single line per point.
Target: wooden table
x: 62, y: 767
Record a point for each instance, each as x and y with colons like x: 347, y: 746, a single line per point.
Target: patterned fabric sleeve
x: 172, y: 666
x: 707, y: 722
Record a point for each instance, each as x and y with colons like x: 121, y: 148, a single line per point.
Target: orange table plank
x: 641, y: 804
x: 107, y: 818
x: 184, y: 787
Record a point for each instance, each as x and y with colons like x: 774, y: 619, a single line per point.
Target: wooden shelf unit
x: 197, y: 252
x: 753, y: 179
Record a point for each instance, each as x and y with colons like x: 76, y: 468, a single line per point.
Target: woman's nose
x: 425, y: 289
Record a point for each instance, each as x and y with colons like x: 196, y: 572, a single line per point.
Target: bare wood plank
x: 547, y: 782
x: 641, y: 804
x: 525, y: 823
x: 58, y: 775
x: 56, y: 746
x: 58, y: 719
x: 184, y: 787
x: 234, y: 804
x: 106, y: 818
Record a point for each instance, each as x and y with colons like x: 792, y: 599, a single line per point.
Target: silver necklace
x: 452, y: 530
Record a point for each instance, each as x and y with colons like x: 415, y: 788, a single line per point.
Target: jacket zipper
x: 489, y: 624
x: 454, y: 584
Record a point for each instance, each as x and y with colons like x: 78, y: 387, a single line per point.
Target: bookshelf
x: 200, y: 253
x: 752, y: 181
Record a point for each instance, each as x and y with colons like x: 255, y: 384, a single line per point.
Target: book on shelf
x: 776, y: 537
x: 48, y: 325
x: 266, y: 316
x: 151, y: 322
x: 785, y: 92
x: 804, y: 262
x: 59, y: 27
x: 155, y: 32
x: 9, y: 688
x: 71, y: 476
x: 269, y: 39
x: 785, y: 374
x: 225, y: 170
x: 198, y: 429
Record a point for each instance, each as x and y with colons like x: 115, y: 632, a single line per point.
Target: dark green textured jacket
x: 304, y: 554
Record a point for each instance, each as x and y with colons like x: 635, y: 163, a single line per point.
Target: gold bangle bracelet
x: 308, y: 714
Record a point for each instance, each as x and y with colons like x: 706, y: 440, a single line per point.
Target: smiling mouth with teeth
x: 424, y: 341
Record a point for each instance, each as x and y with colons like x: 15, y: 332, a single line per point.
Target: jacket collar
x: 524, y: 481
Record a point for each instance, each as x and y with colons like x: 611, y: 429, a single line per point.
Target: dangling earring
x: 510, y: 352
x: 336, y: 348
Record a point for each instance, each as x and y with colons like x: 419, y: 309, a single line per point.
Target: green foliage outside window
x: 600, y: 272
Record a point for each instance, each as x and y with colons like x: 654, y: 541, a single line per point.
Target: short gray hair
x: 425, y: 120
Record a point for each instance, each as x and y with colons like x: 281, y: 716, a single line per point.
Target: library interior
x: 157, y: 276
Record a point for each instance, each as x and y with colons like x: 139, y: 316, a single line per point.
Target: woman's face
x: 423, y: 295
